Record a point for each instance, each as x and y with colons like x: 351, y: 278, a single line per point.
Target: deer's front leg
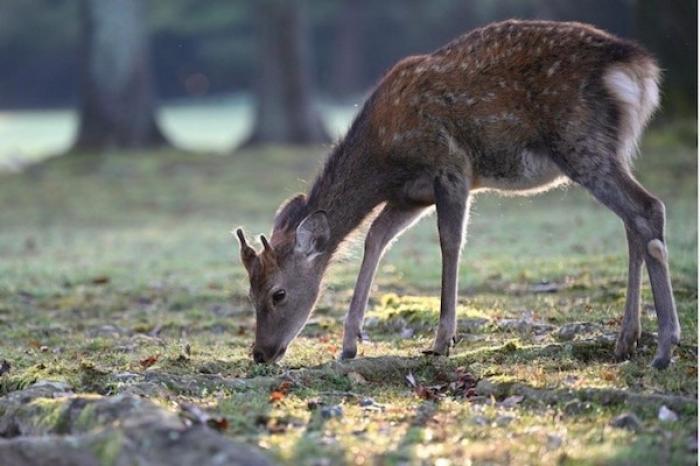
x: 389, y: 223
x: 451, y: 191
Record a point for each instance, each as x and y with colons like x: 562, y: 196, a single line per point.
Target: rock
x: 666, y: 415
x: 554, y: 441
x: 356, y: 378
x: 568, y: 332
x: 504, y: 420
x: 368, y: 404
x: 473, y: 325
x: 106, y: 331
x: 480, y: 421
x: 526, y: 325
x: 498, y: 390
x: 407, y: 332
x: 545, y: 287
x: 126, y: 376
x: 628, y: 421
x: 512, y: 401
x: 576, y: 407
x: 328, y: 412
x: 117, y: 430
x: 57, y: 385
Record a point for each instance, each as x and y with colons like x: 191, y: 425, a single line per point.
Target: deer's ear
x: 289, y: 210
x: 312, y: 234
x: 248, y: 254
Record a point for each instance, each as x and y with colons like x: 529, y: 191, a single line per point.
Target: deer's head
x: 285, y: 276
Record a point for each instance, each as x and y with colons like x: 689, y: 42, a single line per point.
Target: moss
x: 108, y: 448
x: 50, y: 414
x: 87, y: 419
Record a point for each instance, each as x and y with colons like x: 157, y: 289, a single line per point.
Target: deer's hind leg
x: 631, y: 330
x: 610, y: 181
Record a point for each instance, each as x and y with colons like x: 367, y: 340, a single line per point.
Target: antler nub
x: 265, y: 244
x: 248, y: 254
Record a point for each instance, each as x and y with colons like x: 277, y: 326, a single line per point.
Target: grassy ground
x: 118, y: 273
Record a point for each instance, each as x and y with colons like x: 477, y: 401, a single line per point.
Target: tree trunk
x: 347, y: 73
x: 117, y: 109
x: 285, y: 113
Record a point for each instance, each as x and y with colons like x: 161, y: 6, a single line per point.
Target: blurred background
x: 215, y: 75
x: 135, y: 134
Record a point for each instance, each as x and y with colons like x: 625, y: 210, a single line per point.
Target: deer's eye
x: 278, y: 296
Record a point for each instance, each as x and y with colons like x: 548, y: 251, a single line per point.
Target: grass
x: 107, y: 261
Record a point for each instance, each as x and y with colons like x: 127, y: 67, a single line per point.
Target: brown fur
x: 517, y: 106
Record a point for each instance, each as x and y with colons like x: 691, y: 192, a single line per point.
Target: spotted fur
x: 516, y: 107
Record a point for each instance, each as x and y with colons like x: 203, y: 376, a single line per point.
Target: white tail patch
x: 635, y: 85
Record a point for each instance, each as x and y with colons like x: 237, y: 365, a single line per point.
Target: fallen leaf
x: 100, y: 280
x: 5, y: 367
x: 197, y: 416
x: 313, y: 404
x: 285, y: 386
x: 427, y: 393
x: 411, y: 379
x: 149, y: 361
x: 276, y: 395
x: 512, y: 401
x: 218, y: 423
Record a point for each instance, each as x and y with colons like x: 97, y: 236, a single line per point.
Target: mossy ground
x: 108, y: 260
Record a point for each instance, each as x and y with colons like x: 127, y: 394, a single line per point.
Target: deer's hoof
x: 661, y: 362
x: 348, y: 353
x: 434, y: 351
x: 625, y: 347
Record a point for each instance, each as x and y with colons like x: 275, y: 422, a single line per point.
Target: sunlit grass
x: 108, y: 261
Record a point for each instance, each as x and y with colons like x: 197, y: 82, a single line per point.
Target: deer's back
x: 499, y: 95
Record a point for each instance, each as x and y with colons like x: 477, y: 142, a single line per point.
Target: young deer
x: 516, y: 106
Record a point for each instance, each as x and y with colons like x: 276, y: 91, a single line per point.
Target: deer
x: 516, y: 107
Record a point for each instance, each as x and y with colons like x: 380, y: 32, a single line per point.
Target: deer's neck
x: 348, y: 189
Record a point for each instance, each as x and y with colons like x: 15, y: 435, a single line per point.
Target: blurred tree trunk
x: 285, y: 112
x: 117, y: 109
x: 347, y: 73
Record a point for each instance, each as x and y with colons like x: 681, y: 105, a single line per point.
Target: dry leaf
x: 411, y: 380
x: 5, y: 367
x: 218, y: 423
x: 512, y: 401
x: 149, y: 361
x: 285, y: 386
x: 100, y: 280
x: 276, y: 395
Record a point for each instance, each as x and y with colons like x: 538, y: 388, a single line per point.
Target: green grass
x: 107, y: 260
